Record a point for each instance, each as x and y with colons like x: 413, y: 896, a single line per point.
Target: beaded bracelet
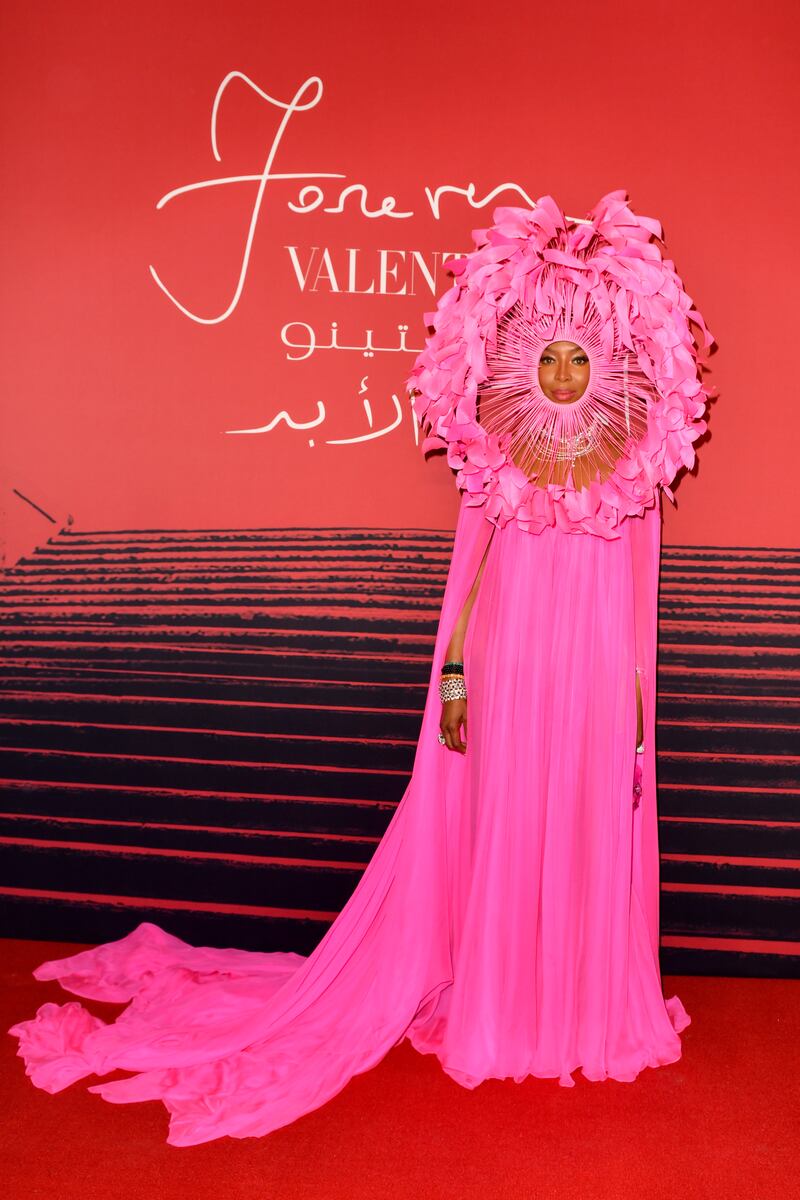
x: 452, y: 685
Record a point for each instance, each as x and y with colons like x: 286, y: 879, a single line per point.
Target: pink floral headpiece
x: 537, y: 277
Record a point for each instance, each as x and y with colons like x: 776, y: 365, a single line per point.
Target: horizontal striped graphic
x: 211, y: 730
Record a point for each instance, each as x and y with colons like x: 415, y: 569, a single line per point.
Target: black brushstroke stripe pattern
x: 211, y: 729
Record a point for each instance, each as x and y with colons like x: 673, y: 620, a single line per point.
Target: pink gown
x: 508, y: 920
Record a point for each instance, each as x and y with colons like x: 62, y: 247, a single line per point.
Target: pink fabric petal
x: 52, y: 1044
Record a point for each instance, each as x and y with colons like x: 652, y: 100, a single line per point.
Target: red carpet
x: 722, y: 1122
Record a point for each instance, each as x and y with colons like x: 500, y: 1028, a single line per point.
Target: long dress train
x: 508, y: 920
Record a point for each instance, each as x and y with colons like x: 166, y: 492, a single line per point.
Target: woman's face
x: 563, y: 372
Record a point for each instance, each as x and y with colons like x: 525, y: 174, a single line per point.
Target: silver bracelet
x: 452, y: 687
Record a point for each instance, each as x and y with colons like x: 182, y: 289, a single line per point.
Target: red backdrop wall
x: 211, y: 301
x: 121, y: 399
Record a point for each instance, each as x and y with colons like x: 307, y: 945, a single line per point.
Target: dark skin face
x: 563, y: 372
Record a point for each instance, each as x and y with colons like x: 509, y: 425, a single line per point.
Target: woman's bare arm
x: 455, y: 649
x: 454, y: 712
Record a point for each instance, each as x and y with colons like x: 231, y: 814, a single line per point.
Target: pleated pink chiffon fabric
x: 508, y: 921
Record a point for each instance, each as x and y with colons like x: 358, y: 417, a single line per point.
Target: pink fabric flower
x: 537, y: 276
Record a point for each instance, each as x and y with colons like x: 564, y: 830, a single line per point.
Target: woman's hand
x: 454, y: 717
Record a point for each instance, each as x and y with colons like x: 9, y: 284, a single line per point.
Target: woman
x: 508, y: 920
x: 550, y: 948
